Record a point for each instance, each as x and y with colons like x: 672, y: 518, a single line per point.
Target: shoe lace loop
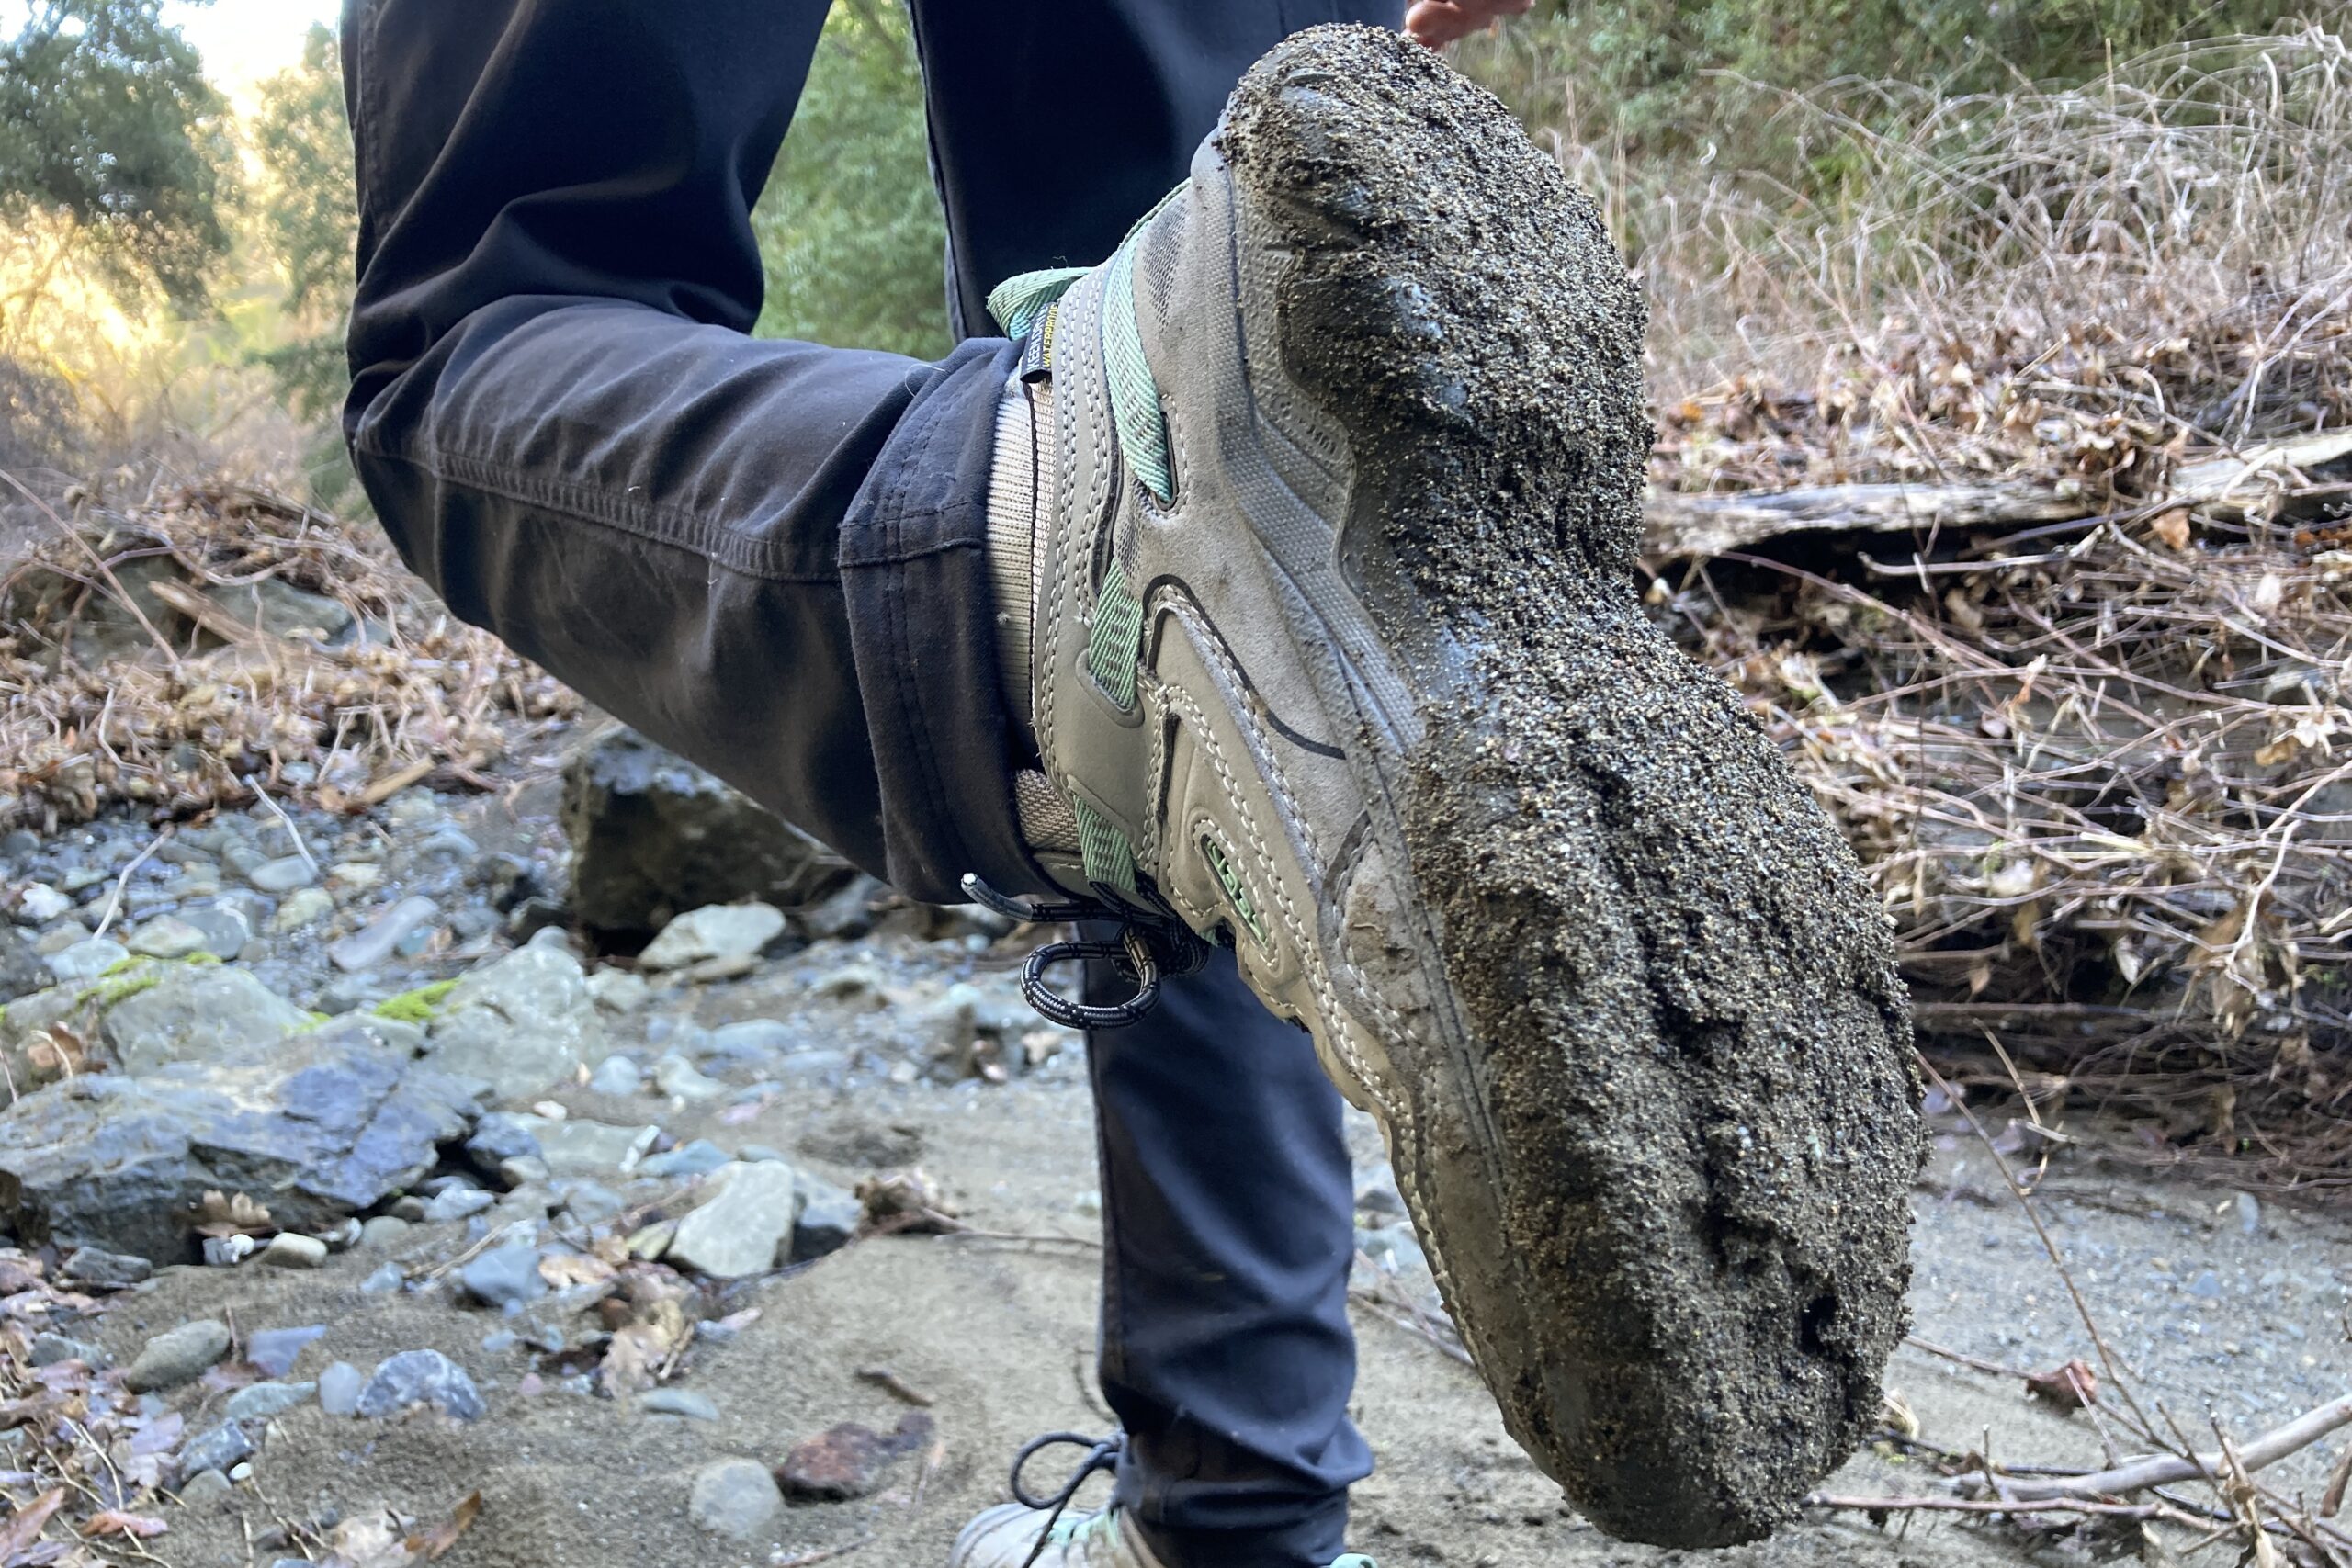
x: 1102, y: 1454
x: 1148, y: 949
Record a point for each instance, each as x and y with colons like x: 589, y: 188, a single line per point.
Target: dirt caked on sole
x: 1652, y: 1097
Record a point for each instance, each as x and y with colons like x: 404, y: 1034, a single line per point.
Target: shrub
x: 850, y: 224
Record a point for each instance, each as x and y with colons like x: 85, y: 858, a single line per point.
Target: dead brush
x: 2076, y: 282
x: 2084, y: 716
x: 202, y: 706
x: 2103, y: 786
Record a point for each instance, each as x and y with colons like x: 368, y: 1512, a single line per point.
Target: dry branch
x: 2106, y: 793
x: 207, y: 707
x: 1981, y: 1506
x: 2162, y: 1469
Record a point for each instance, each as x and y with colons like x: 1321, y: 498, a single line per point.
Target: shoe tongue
x: 1020, y: 499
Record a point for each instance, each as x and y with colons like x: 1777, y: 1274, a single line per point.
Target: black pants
x: 768, y: 556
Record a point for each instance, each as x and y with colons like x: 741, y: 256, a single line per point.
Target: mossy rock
x: 418, y: 1007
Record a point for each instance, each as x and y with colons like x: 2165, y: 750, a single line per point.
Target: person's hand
x: 1439, y: 22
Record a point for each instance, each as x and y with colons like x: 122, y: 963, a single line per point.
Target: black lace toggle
x: 1149, y: 949
x: 1102, y: 1454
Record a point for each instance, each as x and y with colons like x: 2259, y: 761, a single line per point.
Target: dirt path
x: 1001, y: 1335
x: 2220, y: 1307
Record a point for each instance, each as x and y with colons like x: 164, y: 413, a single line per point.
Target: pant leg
x: 765, y: 555
x: 1227, y: 1204
x: 1228, y: 1220
x: 1055, y: 125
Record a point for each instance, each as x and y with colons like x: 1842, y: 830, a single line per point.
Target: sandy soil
x: 1001, y: 1335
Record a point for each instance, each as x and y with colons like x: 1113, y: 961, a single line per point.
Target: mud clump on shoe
x: 1673, y: 997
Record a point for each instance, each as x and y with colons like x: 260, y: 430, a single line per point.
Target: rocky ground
x: 366, y: 1210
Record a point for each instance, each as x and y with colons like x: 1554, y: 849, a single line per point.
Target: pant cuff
x: 922, y: 616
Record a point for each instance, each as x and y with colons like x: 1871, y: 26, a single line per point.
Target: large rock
x: 717, y: 930
x: 22, y: 971
x: 830, y: 1219
x: 86, y: 962
x: 579, y: 1146
x: 847, y: 1462
x: 282, y: 610
x: 740, y: 1230
x: 144, y: 1014
x: 179, y: 1356
x: 653, y: 836
x: 519, y: 1024
x: 193, y: 1012
x: 734, y: 1498
x: 314, y: 1127
x: 416, y: 1377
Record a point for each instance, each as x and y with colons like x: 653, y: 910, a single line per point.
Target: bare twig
x: 1963, y: 1358
x: 821, y: 1554
x: 892, y: 1383
x: 254, y: 784
x: 2164, y: 1469
x: 122, y: 882
x: 1985, y: 1505
x: 2049, y: 1245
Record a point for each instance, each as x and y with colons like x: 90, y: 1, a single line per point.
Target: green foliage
x: 1682, y: 73
x: 105, y: 120
x: 416, y: 1006
x: 850, y: 225
x: 306, y: 218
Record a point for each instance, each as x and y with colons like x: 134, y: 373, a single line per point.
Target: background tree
x: 114, y: 147
x: 306, y: 218
x: 850, y: 224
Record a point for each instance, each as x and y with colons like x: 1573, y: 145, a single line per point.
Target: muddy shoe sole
x: 1338, y: 658
x: 1650, y: 1091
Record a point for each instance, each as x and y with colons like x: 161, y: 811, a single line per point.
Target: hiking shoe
x: 1008, y: 1537
x: 1338, y: 656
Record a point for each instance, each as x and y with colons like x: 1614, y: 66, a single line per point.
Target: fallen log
x: 2230, y: 488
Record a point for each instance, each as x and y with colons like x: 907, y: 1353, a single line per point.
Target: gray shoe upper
x: 1193, y: 629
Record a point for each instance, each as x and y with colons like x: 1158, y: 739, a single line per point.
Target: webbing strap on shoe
x: 1027, y: 306
x: 1104, y: 851
x: 1020, y: 302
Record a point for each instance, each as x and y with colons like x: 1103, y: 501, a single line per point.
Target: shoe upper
x: 1194, y: 630
x: 1008, y: 1537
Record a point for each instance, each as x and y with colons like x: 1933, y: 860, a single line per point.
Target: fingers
x: 1440, y: 22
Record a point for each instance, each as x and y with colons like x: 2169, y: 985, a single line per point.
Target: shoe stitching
x: 1397, y: 1112
x: 1360, y: 983
x: 1310, y: 954
x: 1310, y: 958
x: 1154, y: 852
x: 1205, y: 637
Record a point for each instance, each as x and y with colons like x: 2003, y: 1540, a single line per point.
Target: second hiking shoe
x: 1338, y: 656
